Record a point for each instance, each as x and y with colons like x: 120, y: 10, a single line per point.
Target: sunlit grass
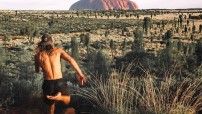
x: 123, y: 94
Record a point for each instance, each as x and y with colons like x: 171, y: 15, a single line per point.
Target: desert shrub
x: 102, y: 64
x: 141, y: 60
x: 74, y: 47
x: 122, y: 94
x: 19, y: 92
x: 198, y: 49
x: 3, y: 56
x: 146, y: 24
x: 138, y: 43
x: 6, y: 95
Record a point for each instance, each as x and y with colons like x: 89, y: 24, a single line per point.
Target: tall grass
x: 123, y: 94
x: 169, y: 96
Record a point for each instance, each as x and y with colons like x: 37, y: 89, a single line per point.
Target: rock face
x: 104, y: 5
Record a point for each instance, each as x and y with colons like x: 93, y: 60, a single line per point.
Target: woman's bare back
x: 50, y: 64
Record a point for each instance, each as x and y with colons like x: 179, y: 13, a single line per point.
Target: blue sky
x: 65, y: 4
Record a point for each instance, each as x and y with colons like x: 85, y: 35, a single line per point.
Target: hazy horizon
x: 65, y: 4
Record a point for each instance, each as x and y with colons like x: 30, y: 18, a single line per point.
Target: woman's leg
x: 51, y: 109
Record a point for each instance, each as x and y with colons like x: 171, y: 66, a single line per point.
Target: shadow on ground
x: 80, y: 105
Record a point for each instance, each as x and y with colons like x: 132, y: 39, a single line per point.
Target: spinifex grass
x: 123, y: 94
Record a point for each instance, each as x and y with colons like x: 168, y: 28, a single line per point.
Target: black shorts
x: 52, y: 87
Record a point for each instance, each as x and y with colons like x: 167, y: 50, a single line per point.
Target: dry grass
x: 122, y: 94
x: 171, y: 97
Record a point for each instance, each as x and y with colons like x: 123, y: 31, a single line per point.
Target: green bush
x: 19, y: 91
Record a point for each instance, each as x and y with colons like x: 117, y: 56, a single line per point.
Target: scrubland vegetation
x: 137, y: 62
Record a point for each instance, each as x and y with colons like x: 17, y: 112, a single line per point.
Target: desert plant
x: 112, y: 47
x: 122, y: 94
x: 198, y: 50
x: 74, y: 47
x: 193, y: 28
x: 138, y: 44
x: 163, y: 23
x: 180, y: 20
x: 146, y: 24
x: 101, y: 65
x: 30, y: 30
x: 200, y: 28
x: 19, y: 92
x: 87, y: 42
x: 82, y: 38
x: 123, y: 46
x: 169, y: 96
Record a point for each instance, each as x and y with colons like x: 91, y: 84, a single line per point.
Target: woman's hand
x: 81, y: 80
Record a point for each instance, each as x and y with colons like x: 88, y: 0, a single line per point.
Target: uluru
x: 104, y: 5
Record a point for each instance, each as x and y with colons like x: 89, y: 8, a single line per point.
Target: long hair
x: 46, y: 44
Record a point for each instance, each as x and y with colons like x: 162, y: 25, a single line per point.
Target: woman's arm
x: 68, y: 58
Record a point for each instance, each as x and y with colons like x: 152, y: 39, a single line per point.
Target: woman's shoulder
x: 57, y: 49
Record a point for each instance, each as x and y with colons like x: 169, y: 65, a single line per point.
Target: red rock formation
x: 104, y: 5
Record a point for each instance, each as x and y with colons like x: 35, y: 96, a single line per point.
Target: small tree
x: 87, y: 42
x: 198, y: 50
x: 187, y: 22
x: 91, y: 59
x: 193, y: 29
x: 112, y: 47
x: 138, y: 44
x: 191, y: 62
x: 146, y: 24
x: 185, y: 29
x: 200, y: 28
x: 180, y: 20
x: 74, y: 47
x: 106, y: 33
x: 151, y: 38
x: 168, y: 37
x: 101, y: 64
x: 163, y: 23
x: 82, y: 38
x: 179, y: 45
x: 31, y: 31
x: 165, y: 57
x: 123, y: 46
